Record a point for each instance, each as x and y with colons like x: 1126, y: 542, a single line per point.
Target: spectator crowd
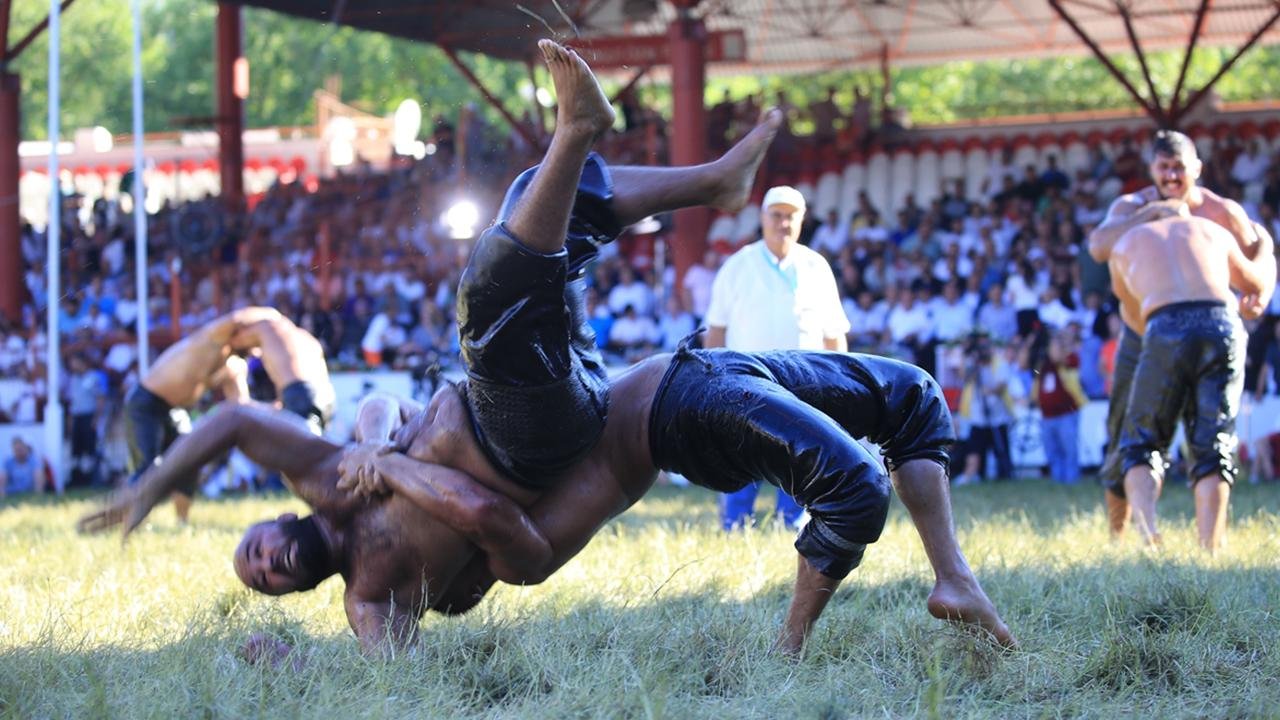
x: 989, y: 288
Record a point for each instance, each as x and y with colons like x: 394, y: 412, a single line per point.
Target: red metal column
x: 230, y: 106
x: 10, y: 232
x: 687, y: 36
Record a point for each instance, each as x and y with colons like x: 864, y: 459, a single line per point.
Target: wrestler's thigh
x: 1160, y: 390
x: 774, y: 435
x: 1210, y: 414
x: 512, y: 323
x: 893, y: 404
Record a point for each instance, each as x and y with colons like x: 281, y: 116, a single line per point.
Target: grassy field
x: 663, y: 616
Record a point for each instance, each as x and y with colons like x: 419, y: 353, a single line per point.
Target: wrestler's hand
x: 357, y: 471
x: 1162, y: 209
x: 263, y: 649
x: 1251, y: 307
x: 127, y: 507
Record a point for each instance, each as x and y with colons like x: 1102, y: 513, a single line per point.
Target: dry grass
x: 662, y: 616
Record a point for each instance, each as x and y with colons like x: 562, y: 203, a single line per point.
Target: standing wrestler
x: 1179, y: 272
x: 156, y: 409
x: 1174, y: 168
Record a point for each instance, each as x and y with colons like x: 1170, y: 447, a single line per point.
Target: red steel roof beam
x: 31, y: 36
x: 1175, y: 101
x: 1163, y: 117
x: 1102, y: 58
x: 5, y: 12
x: 1253, y: 40
x: 489, y: 97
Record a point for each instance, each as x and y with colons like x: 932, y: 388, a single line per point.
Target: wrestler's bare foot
x: 1118, y: 512
x: 581, y: 106
x: 964, y: 602
x: 737, y: 168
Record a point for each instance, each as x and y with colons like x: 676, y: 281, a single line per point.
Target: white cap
x: 783, y: 195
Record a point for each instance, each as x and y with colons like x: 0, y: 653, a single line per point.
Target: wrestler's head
x: 284, y: 555
x: 1174, y: 165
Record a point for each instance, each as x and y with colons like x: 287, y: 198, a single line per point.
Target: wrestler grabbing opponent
x: 1174, y: 169
x: 517, y: 298
x: 156, y: 410
x: 536, y: 401
x: 1192, y: 359
x: 294, y: 360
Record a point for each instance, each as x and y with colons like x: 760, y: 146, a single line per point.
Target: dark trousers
x: 995, y: 439
x: 84, y: 451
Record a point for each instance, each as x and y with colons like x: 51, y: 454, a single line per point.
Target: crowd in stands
x: 981, y: 277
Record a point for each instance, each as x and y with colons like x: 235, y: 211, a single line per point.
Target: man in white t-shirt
x: 774, y: 294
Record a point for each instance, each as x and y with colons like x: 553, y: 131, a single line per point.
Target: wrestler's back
x: 1175, y: 260
x: 290, y: 354
x: 180, y: 375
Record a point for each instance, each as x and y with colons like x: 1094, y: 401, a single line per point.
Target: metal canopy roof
x: 793, y: 36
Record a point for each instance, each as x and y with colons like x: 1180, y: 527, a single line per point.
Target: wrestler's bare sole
x: 963, y: 602
x: 581, y: 106
x: 737, y: 167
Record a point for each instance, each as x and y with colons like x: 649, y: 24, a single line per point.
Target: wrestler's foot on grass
x: 963, y: 602
x: 738, y: 166
x: 581, y: 106
x: 1118, y: 512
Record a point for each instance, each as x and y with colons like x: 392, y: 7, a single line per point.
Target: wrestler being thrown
x: 529, y: 457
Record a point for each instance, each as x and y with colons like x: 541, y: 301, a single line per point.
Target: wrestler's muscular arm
x: 1256, y: 278
x: 381, y: 627
x: 274, y: 441
x: 1252, y: 306
x: 1121, y: 217
x: 496, y: 524
x: 493, y: 522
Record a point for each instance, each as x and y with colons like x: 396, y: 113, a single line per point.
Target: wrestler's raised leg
x: 957, y: 597
x: 1212, y: 494
x: 1142, y: 487
x: 724, y: 184
x: 541, y: 218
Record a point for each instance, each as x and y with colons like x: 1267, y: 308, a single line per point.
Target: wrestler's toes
x: 968, y: 606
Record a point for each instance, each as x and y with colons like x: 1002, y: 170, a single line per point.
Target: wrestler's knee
x: 1218, y: 465
x: 1133, y: 457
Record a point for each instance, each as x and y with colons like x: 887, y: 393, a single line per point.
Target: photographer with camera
x: 986, y: 408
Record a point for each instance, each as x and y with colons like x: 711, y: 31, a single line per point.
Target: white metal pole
x: 139, y: 198
x: 53, y: 361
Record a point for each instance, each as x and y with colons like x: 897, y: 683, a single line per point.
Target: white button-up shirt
x: 764, y: 304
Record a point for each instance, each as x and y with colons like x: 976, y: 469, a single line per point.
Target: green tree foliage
x: 290, y: 58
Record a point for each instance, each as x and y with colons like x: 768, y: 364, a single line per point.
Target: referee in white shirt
x: 774, y: 294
